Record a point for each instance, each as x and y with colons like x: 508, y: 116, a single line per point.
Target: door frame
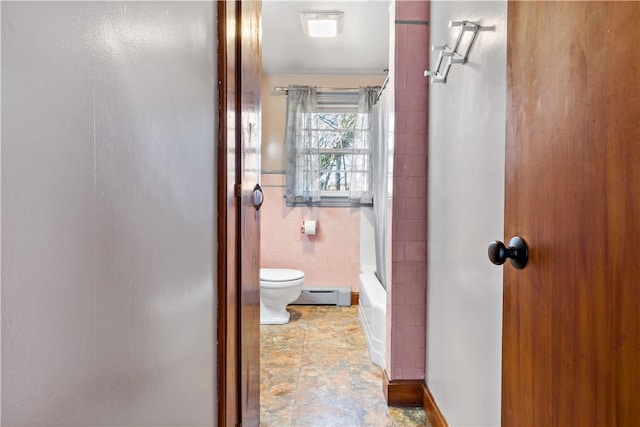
x: 239, y: 70
x: 228, y: 210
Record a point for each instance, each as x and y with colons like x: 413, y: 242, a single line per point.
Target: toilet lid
x: 280, y: 274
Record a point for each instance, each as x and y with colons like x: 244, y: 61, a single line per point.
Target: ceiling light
x: 322, y: 24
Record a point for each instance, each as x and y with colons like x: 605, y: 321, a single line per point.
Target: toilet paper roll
x: 309, y: 227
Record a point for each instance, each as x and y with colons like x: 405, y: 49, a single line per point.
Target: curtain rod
x: 384, y: 85
x: 283, y: 89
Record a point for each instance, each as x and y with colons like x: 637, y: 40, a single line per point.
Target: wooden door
x: 250, y: 66
x: 571, y: 334
x: 239, y: 54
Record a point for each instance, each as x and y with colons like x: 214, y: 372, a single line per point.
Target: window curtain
x: 360, y: 184
x: 303, y: 161
x: 380, y: 158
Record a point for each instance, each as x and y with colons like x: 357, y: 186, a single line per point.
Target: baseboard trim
x: 434, y: 415
x: 355, y: 298
x: 402, y: 392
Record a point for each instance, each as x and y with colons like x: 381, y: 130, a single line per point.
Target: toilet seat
x: 280, y: 275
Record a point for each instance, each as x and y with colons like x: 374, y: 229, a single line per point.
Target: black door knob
x: 517, y: 252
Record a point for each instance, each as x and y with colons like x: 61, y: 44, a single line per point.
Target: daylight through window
x: 329, y: 149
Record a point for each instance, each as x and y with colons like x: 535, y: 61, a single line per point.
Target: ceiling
x: 362, y: 48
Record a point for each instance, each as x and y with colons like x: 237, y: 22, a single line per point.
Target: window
x: 329, y: 148
x: 335, y: 141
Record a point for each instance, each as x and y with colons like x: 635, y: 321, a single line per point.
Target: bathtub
x: 372, y: 313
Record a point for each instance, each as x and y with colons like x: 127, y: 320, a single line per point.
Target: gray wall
x: 108, y: 237
x: 466, y: 205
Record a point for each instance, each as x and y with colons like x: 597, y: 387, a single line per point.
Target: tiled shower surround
x: 407, y: 294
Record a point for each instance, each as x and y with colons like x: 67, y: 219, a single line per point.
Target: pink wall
x: 330, y: 258
x: 407, y: 293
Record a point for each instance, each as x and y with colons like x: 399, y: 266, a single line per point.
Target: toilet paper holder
x: 309, y: 227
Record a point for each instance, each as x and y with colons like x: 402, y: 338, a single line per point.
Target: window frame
x: 337, y: 103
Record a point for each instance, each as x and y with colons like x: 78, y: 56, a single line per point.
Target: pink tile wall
x: 330, y: 258
x: 409, y: 230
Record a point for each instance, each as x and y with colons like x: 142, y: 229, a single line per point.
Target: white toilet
x: 278, y: 287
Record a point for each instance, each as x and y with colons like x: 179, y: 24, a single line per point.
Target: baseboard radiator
x: 338, y: 295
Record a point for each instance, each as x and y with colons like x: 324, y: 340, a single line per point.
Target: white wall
x: 466, y: 202
x: 108, y: 213
x: 367, y: 238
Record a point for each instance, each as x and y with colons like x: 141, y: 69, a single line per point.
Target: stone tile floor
x: 315, y: 371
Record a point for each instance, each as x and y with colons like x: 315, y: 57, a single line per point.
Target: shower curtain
x: 380, y: 187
